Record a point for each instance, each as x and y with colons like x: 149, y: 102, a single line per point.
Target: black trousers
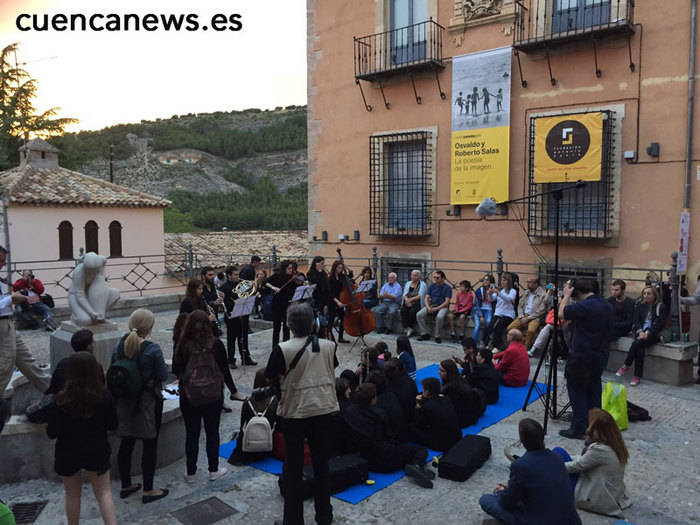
x: 408, y: 314
x: 317, y: 430
x: 636, y: 353
x: 279, y: 323
x: 148, y: 455
x: 394, y: 456
x: 497, y: 327
x: 193, y: 417
x: 236, y: 333
x: 336, y: 313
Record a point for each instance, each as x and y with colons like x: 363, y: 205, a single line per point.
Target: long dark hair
x: 403, y: 344
x: 177, y: 328
x: 196, y: 335
x: 603, y: 429
x: 334, y: 267
x: 451, y: 369
x: 191, y: 292
x: 84, y: 388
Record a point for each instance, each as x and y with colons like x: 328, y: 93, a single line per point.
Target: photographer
x: 304, y: 366
x: 593, y: 318
x: 32, y: 288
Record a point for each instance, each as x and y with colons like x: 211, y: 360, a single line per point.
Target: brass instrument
x: 245, y: 289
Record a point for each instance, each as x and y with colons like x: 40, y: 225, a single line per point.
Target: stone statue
x: 89, y: 295
x: 481, y: 8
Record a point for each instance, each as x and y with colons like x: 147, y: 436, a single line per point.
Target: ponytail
x: 141, y: 323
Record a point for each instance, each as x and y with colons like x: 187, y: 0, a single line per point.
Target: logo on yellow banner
x: 568, y: 148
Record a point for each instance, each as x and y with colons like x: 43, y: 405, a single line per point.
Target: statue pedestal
x: 106, y: 337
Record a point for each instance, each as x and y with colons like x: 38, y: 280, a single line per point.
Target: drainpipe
x: 691, y: 105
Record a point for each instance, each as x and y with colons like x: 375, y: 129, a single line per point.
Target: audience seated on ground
x: 436, y: 426
x: 262, y: 401
x: 484, y: 375
x: 403, y: 387
x: 405, y: 354
x: 538, y: 491
x: 467, y: 402
x: 389, y: 403
x: 598, y: 474
x: 383, y: 353
x: 352, y: 379
x: 623, y: 309
x: 372, y: 432
x: 467, y: 360
x: 513, y: 363
x: 369, y: 362
x: 81, y: 341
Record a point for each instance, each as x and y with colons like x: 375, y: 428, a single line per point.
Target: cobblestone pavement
x: 663, y: 475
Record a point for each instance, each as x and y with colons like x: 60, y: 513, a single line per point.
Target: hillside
x: 238, y: 169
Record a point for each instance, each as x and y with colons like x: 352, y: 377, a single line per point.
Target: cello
x: 359, y: 320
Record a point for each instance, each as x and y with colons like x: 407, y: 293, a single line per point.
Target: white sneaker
x: 191, y: 479
x: 410, y: 332
x: 213, y: 476
x: 531, y: 352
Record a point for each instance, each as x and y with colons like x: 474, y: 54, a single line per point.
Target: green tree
x: 18, y: 116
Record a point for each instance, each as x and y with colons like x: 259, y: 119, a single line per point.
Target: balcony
x: 543, y: 24
x: 408, y: 49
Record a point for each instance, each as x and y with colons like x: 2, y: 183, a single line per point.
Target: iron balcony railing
x: 541, y: 23
x: 405, y: 49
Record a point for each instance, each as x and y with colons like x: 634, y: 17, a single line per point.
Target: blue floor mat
x: 510, y: 400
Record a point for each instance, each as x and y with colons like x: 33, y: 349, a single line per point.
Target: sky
x: 104, y: 78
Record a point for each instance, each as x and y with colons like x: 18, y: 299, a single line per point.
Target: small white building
x: 53, y: 212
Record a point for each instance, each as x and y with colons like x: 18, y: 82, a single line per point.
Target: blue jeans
x: 566, y: 457
x: 385, y: 309
x: 487, y: 313
x: 38, y: 309
x: 491, y: 505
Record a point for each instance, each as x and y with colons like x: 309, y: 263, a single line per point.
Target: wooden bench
x: 668, y: 363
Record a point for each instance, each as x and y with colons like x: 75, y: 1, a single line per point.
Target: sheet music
x: 365, y: 286
x: 303, y: 292
x: 242, y: 307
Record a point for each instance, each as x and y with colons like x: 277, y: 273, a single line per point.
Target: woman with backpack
x: 79, y: 419
x: 201, y: 366
x: 135, y: 379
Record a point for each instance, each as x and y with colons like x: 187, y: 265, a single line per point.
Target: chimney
x: 38, y: 153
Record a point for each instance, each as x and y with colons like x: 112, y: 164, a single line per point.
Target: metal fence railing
x: 168, y: 273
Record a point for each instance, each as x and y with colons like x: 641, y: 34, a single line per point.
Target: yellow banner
x: 480, y: 165
x: 568, y: 148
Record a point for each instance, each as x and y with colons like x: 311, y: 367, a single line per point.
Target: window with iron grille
x: 402, y: 268
x: 585, y: 213
x: 571, y: 272
x: 401, y: 168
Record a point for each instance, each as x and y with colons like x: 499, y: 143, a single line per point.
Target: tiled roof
x: 28, y: 185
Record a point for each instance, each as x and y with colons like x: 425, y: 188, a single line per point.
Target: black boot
x: 247, y: 360
x: 232, y: 363
x: 341, y: 339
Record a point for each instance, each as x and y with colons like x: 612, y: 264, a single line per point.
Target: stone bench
x: 398, y: 328
x: 668, y: 363
x: 28, y: 453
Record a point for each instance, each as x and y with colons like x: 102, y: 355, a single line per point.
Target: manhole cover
x: 27, y: 512
x: 204, y: 512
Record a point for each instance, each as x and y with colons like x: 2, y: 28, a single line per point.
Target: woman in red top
x: 461, y: 310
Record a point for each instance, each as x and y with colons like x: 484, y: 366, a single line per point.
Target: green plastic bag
x: 615, y: 403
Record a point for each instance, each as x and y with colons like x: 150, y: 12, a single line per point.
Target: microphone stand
x: 550, y: 403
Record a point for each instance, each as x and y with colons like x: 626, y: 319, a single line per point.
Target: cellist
x: 337, y: 308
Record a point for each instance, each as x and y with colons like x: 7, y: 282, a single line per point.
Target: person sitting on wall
x: 33, y: 288
x: 538, y: 490
x: 513, y: 363
x: 370, y: 300
x: 649, y: 321
x: 464, y: 302
x: 372, y: 432
x: 504, y: 313
x: 531, y: 310
x: 390, y: 297
x: 437, y: 425
x: 437, y: 304
x: 413, y: 299
x: 623, y: 308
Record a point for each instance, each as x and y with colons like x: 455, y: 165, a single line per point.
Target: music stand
x: 488, y: 207
x: 302, y: 293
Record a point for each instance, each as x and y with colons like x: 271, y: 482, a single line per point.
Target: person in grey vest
x: 305, y: 369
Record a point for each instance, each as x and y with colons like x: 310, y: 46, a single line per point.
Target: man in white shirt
x: 13, y: 351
